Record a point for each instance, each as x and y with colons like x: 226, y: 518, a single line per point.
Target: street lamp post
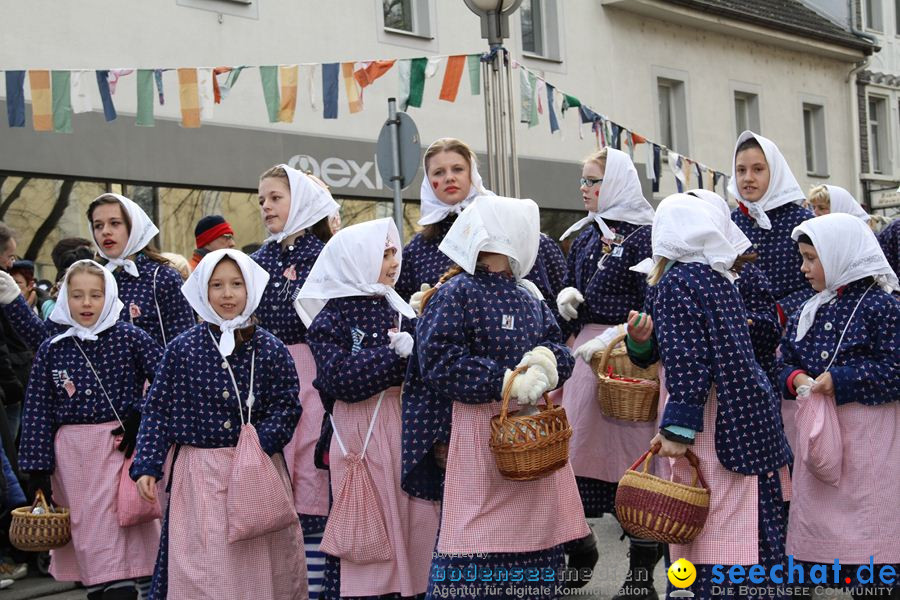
x: 503, y: 164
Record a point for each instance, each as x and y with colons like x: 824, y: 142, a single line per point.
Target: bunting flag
x: 474, y: 65
x: 109, y: 110
x: 206, y: 94
x: 145, y: 97
x: 115, y: 75
x: 41, y: 100
x: 528, y: 108
x: 61, y: 87
x: 217, y: 87
x: 569, y: 102
x: 629, y: 144
x: 80, y: 93
x: 677, y: 165
x: 417, y: 70
x: 330, y: 90
x: 366, y: 73
x: 288, y: 76
x: 554, y: 123
x: 452, y: 78
x: 404, y: 74
x: 431, y: 68
x: 700, y: 171
x: 230, y: 82
x: 638, y: 139
x: 309, y: 73
x: 354, y: 100
x: 649, y: 163
x: 687, y: 169
x: 711, y: 179
x: 269, y: 77
x: 15, y: 98
x: 616, y: 138
x: 540, y: 92
x: 157, y: 76
x: 189, y: 97
x: 657, y: 152
x: 601, y: 126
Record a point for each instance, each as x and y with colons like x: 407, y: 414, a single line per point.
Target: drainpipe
x: 862, y: 190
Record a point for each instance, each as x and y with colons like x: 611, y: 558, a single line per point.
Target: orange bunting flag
x: 366, y: 73
x: 452, y: 76
x: 354, y: 99
x: 288, y: 77
x: 41, y: 100
x: 217, y: 91
x: 638, y: 139
x: 189, y: 95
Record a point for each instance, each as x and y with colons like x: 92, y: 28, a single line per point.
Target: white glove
x: 415, y: 301
x: 9, y: 289
x: 402, y: 343
x: 587, y: 350
x: 527, y: 387
x: 567, y: 303
x: 542, y: 358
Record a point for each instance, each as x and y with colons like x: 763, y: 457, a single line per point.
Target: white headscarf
x: 435, y: 211
x: 848, y: 251
x: 688, y: 231
x: 310, y: 203
x: 112, y: 307
x: 196, y: 290
x: 507, y: 226
x: 843, y: 202
x: 142, y: 231
x: 734, y: 234
x: 621, y: 197
x: 783, y: 187
x: 350, y: 265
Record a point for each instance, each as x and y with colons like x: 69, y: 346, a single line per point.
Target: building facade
x: 687, y: 74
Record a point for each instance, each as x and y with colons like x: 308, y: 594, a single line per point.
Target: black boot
x: 639, y: 581
x: 582, y: 556
x: 121, y: 593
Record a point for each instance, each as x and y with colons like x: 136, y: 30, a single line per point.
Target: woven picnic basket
x: 531, y: 446
x: 650, y: 507
x: 624, y: 390
x: 40, y: 532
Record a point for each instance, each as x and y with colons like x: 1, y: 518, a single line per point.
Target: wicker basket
x: 529, y: 447
x: 650, y: 507
x: 626, y: 400
x: 39, y: 533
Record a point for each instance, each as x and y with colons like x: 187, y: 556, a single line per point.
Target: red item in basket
x: 611, y: 375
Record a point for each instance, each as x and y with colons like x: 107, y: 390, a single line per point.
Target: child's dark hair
x: 747, y: 144
x: 804, y: 239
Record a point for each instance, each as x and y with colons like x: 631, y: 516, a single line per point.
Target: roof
x: 789, y: 16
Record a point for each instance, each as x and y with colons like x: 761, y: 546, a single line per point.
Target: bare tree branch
x: 13, y: 196
x: 52, y: 220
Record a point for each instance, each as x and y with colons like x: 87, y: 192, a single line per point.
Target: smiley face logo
x: 682, y: 573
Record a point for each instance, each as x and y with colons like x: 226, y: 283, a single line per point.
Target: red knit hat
x: 210, y: 228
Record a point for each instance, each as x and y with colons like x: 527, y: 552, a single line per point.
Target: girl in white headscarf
x: 149, y: 287
x: 217, y: 377
x: 295, y: 209
x: 361, y: 341
x: 770, y: 205
x: 845, y: 344
x: 602, y: 292
x: 478, y: 326
x: 826, y: 199
x: 719, y: 401
x: 82, y: 411
x: 450, y: 184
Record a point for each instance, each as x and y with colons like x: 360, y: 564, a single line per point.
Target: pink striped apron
x: 601, y: 448
x: 310, y: 484
x: 731, y: 533
x: 412, y: 523
x: 858, y: 518
x: 484, y: 512
x: 85, y: 480
x: 202, y: 563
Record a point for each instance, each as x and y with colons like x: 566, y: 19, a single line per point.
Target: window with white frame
x: 814, y: 139
x: 407, y: 16
x: 746, y: 112
x: 874, y: 16
x: 540, y: 22
x: 879, y: 158
x: 673, y: 130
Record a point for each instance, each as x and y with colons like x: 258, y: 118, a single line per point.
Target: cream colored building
x: 685, y: 73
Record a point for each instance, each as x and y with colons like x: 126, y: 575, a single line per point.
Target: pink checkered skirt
x: 601, y: 448
x: 484, y: 512
x: 86, y: 480
x: 731, y: 533
x: 310, y: 484
x: 858, y: 518
x: 412, y: 523
x: 202, y: 563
